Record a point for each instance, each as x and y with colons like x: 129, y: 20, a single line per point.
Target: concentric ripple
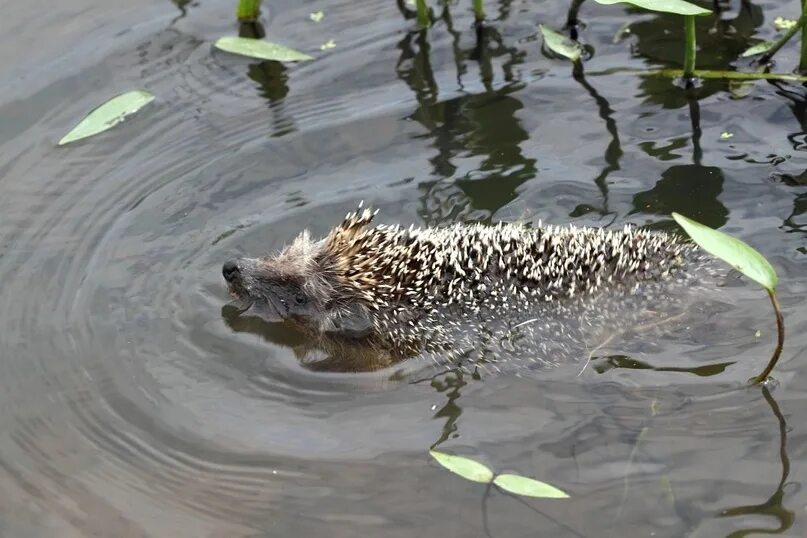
x: 134, y: 404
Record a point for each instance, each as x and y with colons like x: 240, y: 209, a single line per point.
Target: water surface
x: 132, y: 407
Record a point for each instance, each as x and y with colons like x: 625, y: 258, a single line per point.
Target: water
x: 134, y: 406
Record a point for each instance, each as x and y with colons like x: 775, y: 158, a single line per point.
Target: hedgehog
x: 404, y: 291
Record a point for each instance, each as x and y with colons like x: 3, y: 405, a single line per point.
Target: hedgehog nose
x: 230, y: 271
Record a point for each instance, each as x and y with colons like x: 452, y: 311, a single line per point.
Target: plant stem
x: 779, y: 43
x: 716, y: 74
x: 248, y: 10
x: 479, y: 10
x: 423, y: 13
x: 780, y: 326
x: 803, y: 56
x: 691, y: 47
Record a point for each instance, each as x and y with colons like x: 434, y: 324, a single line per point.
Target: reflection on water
x: 135, y: 404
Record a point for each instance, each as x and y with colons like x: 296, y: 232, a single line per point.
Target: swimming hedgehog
x: 409, y: 290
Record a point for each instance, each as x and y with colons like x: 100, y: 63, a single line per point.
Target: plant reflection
x: 482, y: 124
x: 774, y: 506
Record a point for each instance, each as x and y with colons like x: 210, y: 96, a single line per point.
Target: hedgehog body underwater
x: 372, y: 295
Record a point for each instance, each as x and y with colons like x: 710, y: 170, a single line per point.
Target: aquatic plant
x: 512, y: 483
x: 750, y: 263
x: 108, y: 115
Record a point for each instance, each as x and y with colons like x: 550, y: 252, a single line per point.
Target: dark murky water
x: 131, y: 407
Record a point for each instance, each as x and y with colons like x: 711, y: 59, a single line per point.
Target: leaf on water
x: 465, y: 467
x: 782, y: 23
x: 529, y: 487
x: 759, y: 48
x: 262, y: 50
x: 740, y: 88
x: 731, y: 250
x: 560, y: 44
x: 725, y: 135
x: 677, y: 7
x: 316, y: 16
x: 328, y: 45
x: 108, y: 115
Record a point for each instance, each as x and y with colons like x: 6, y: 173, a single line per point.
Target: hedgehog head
x: 306, y: 283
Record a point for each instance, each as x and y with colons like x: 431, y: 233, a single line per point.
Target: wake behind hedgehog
x: 370, y: 296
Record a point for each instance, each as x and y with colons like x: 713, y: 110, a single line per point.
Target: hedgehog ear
x: 353, y: 322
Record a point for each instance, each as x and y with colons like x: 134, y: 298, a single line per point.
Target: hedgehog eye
x: 300, y: 298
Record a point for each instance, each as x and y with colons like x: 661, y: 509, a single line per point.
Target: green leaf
x: 677, y: 7
x: 560, y: 44
x: 317, y: 16
x: 731, y: 250
x: 521, y: 485
x: 726, y: 135
x: 262, y: 50
x: 782, y: 23
x: 108, y: 115
x: 465, y: 467
x: 759, y: 48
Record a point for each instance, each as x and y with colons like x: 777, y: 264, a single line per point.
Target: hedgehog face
x: 275, y: 294
x: 297, y: 285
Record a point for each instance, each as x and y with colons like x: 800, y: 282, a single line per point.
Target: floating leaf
x: 108, y: 115
x: 731, y: 250
x: 316, y: 16
x: 725, y: 135
x: 740, y: 88
x: 529, y: 487
x: 677, y: 7
x: 327, y: 45
x: 560, y: 44
x: 782, y: 23
x: 759, y: 48
x: 465, y: 467
x: 262, y: 50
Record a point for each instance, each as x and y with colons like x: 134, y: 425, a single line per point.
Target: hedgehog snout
x: 231, y: 270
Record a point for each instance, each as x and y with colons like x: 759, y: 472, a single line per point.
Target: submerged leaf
x: 560, y: 44
x: 731, y: 250
x: 108, y: 115
x: 759, y: 48
x: 262, y: 50
x: 465, y: 467
x: 677, y: 7
x: 521, y: 485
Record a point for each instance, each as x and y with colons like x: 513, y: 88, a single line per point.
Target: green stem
x: 716, y: 74
x: 780, y: 329
x: 803, y: 56
x: 479, y: 10
x: 691, y: 46
x: 248, y: 10
x: 423, y: 13
x: 779, y: 43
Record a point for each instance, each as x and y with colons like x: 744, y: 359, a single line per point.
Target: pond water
x: 133, y: 405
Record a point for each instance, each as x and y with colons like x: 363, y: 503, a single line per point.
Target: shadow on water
x: 613, y: 151
x: 273, y: 79
x: 690, y: 189
x: 774, y: 506
x: 480, y: 125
